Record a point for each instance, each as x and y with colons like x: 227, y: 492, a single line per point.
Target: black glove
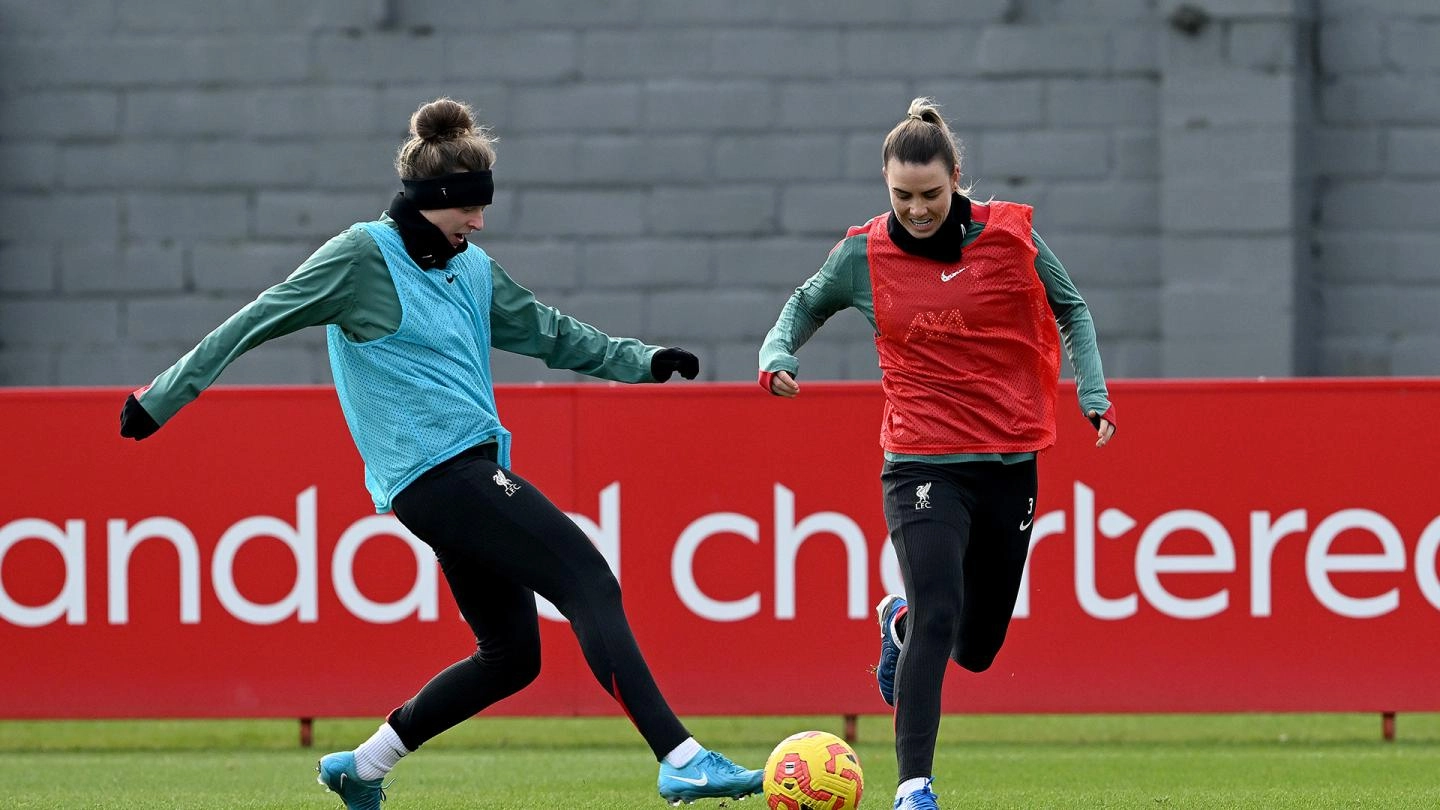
x: 135, y: 423
x: 668, y: 361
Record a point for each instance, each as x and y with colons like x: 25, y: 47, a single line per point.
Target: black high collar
x: 425, y: 243
x: 944, y: 246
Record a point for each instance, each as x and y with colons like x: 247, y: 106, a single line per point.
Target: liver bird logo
x: 510, y: 486
x: 922, y: 495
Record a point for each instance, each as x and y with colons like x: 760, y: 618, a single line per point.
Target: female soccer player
x: 964, y: 298
x: 411, y: 309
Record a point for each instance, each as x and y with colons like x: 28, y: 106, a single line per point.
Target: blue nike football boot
x: 337, y: 772
x: 889, y: 611
x: 707, y: 775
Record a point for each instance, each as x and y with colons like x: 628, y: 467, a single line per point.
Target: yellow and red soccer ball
x: 813, y: 770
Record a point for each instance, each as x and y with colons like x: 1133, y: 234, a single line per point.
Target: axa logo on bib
x: 1086, y: 522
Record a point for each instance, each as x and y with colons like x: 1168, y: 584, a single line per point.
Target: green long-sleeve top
x: 843, y: 281
x: 346, y: 282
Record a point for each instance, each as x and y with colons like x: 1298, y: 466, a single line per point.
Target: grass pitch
x: 1136, y: 761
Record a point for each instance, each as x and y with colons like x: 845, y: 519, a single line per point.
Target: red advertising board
x: 1240, y: 546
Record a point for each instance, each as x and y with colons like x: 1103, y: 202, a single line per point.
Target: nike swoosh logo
x: 1026, y: 524
x: 701, y: 782
x: 944, y: 276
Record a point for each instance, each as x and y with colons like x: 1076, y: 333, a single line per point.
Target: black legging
x: 499, y: 542
x: 961, y: 533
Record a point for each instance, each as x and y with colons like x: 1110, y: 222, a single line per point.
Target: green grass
x: 1128, y: 761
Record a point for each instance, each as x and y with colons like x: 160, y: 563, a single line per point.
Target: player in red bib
x: 965, y: 300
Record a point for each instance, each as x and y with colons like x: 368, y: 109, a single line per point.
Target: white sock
x: 683, y: 753
x: 910, y: 786
x: 377, y: 755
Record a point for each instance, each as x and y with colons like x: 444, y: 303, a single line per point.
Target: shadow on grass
x: 1314, y: 731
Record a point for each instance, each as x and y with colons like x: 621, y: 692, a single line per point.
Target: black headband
x: 458, y: 190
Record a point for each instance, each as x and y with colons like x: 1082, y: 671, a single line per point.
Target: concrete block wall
x: 1254, y: 197
x: 1235, y: 205
x: 1377, y: 153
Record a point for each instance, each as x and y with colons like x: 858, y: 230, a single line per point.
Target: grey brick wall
x: 1377, y: 230
x: 1253, y: 194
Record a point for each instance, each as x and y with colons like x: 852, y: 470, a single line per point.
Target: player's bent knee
x: 527, y: 669
x: 975, y: 665
x: 520, y: 673
x: 514, y: 666
x: 976, y: 661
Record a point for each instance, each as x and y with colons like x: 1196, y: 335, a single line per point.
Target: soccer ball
x: 813, y: 770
